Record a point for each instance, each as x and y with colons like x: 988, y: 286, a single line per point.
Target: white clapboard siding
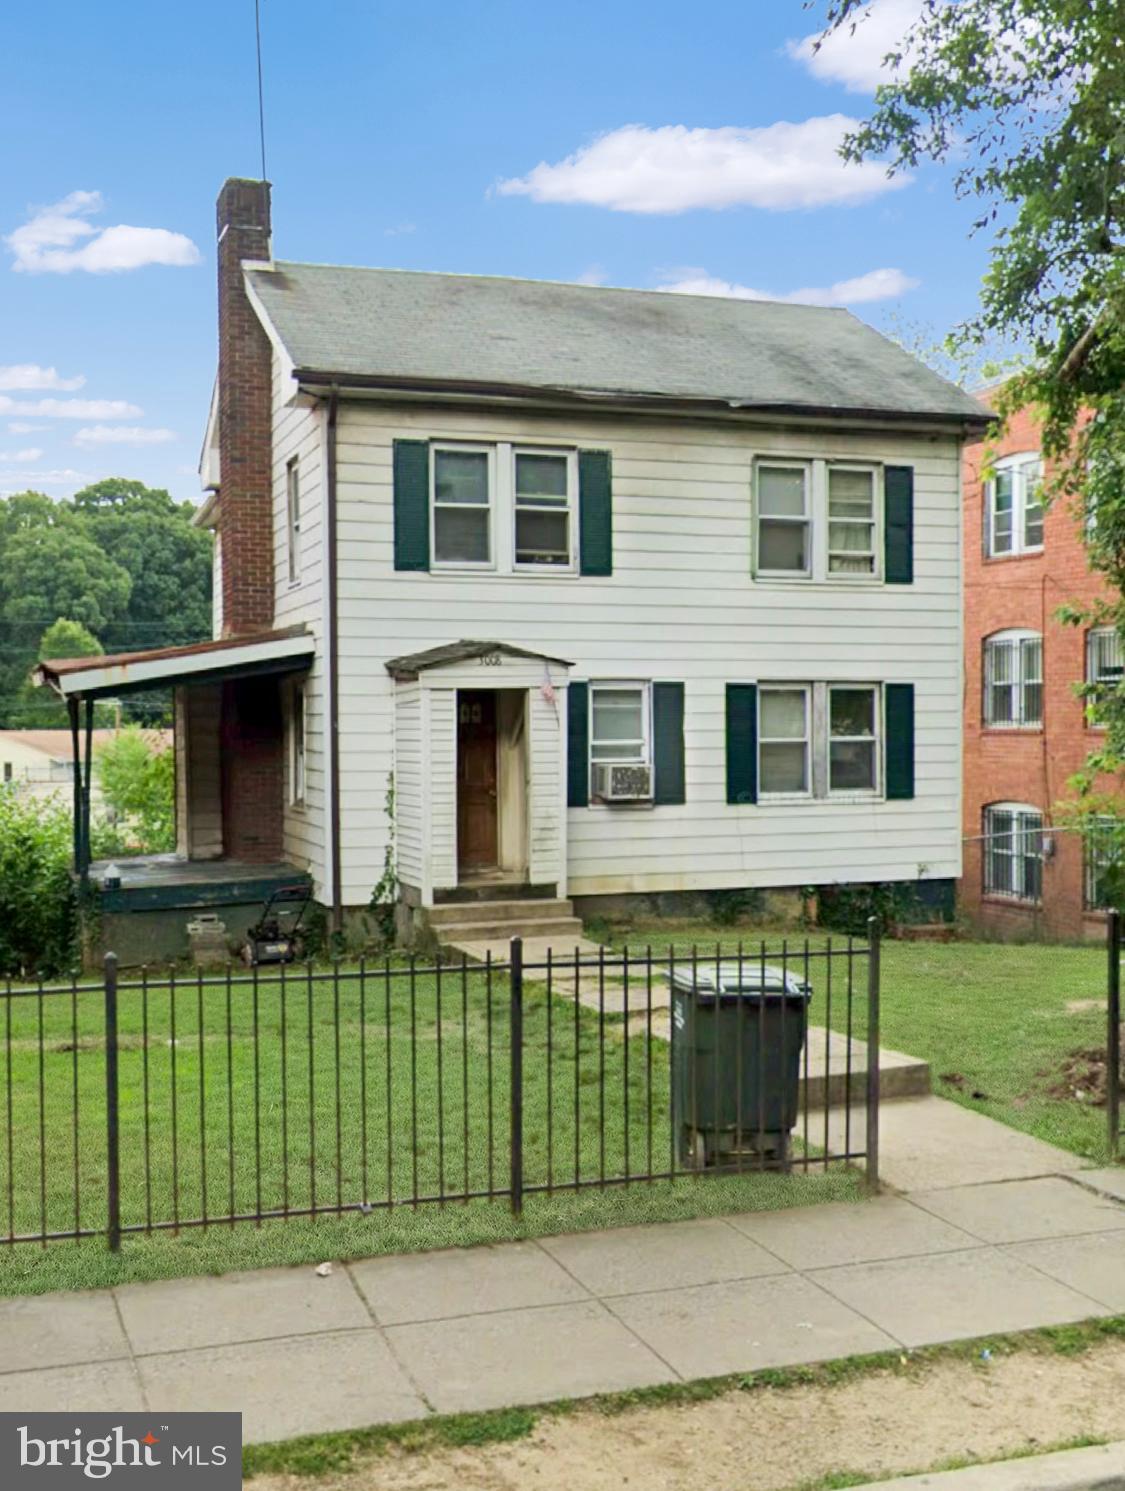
x: 681, y: 605
x: 298, y: 431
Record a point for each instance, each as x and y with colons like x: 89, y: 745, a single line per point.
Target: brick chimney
x: 245, y: 408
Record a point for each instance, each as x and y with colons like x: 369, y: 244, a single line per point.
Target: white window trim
x: 1019, y: 811
x: 644, y: 687
x: 571, y: 457
x: 816, y: 492
x: 775, y: 686
x: 1015, y: 463
x: 293, y: 518
x: 818, y: 757
x: 469, y: 566
x: 879, y: 739
x: 784, y: 463
x: 298, y: 746
x: 1094, y: 633
x: 1018, y: 684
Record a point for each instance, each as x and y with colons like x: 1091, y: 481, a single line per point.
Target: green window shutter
x: 595, y: 512
x: 577, y: 745
x: 412, y: 504
x: 668, y: 743
x: 899, y: 713
x: 898, y: 525
x: 742, y: 742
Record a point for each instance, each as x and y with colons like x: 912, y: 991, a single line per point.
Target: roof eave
x: 321, y: 382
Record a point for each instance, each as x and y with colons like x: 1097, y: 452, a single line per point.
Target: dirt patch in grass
x: 777, y: 1439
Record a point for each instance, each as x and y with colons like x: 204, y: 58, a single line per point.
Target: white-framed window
x: 784, y: 508
x: 852, y: 521
x: 544, y: 501
x: 463, y: 478
x: 1013, y: 679
x: 784, y: 736
x: 817, y: 519
x: 1014, y: 506
x: 620, y: 723
x: 293, y: 519
x: 297, y: 742
x: 820, y: 740
x: 1013, y: 851
x: 1103, y: 861
x: 1104, y: 659
x: 853, y: 738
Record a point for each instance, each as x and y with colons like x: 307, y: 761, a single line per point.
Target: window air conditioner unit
x: 622, y: 783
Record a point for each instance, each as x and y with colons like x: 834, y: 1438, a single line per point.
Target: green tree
x: 1025, y: 100
x: 66, y: 638
x: 137, y: 782
x: 61, y: 572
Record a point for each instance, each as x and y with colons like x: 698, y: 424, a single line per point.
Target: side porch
x: 238, y: 740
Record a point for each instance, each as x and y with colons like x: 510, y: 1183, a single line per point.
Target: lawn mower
x: 276, y: 937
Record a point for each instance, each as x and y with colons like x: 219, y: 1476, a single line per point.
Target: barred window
x: 1013, y: 851
x: 1013, y: 679
x: 1103, y: 669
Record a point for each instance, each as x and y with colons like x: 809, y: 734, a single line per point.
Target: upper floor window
x: 293, y: 520
x: 1013, y: 679
x: 817, y: 519
x: 462, y: 506
x: 1104, y: 658
x: 819, y: 739
x: 1014, y: 506
x: 544, y: 501
x: 1013, y: 851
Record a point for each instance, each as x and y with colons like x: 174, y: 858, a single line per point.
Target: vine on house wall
x: 384, y: 896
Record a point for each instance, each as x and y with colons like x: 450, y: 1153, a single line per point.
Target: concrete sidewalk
x: 1101, y: 1468
x: 388, y: 1339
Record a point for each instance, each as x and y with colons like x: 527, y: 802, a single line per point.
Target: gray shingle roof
x: 394, y: 324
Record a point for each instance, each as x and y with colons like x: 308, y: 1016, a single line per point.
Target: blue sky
x: 623, y: 143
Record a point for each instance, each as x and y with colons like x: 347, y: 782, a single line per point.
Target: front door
x: 476, y: 781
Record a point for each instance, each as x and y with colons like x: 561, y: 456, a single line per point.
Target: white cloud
x: 31, y: 454
x: 22, y: 481
x: 123, y: 435
x: 593, y: 274
x: 59, y: 239
x: 70, y: 408
x: 29, y: 376
x: 877, y: 284
x: 21, y: 427
x: 854, y: 54
x: 676, y: 169
x: 399, y: 230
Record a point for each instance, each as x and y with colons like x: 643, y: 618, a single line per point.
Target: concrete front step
x: 535, y: 950
x: 464, y: 913
x: 560, y: 932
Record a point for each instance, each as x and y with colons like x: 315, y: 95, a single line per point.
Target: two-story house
x: 558, y: 593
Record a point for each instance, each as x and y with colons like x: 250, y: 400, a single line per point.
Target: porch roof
x: 414, y: 663
x: 201, y: 662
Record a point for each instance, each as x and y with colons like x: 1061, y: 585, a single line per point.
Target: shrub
x: 138, y: 783
x: 38, y: 918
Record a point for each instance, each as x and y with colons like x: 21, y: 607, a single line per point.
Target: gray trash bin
x: 738, y: 1031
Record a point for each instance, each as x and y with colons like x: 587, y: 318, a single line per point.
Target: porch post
x: 87, y: 779
x: 72, y: 711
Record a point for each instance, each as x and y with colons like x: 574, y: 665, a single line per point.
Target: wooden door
x: 477, y: 836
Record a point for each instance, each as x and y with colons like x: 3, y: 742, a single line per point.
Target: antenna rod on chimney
x: 261, y: 98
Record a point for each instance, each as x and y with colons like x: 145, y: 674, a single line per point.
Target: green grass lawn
x: 1000, y: 1020
x: 293, y: 1094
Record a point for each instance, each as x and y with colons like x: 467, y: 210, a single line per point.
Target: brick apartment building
x: 1026, y: 731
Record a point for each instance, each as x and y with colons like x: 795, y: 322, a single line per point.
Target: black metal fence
x: 146, y: 1103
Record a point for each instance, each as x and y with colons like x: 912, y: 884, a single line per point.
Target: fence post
x: 1113, y: 1031
x: 516, y: 1078
x: 873, y: 973
x: 113, y: 1136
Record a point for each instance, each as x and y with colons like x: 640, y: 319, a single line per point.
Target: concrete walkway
x: 1101, y: 1468
x: 388, y: 1339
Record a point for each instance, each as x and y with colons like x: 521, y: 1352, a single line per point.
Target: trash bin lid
x: 747, y: 977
